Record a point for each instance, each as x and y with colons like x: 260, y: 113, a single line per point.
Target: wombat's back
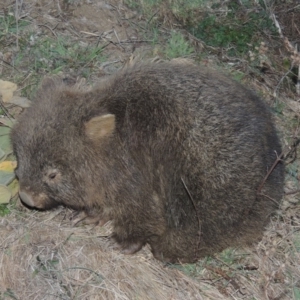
x: 215, y: 140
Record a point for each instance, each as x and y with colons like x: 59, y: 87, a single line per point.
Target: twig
x: 292, y: 192
x: 90, y: 33
x: 17, y: 23
x: 43, y: 25
x: 292, y: 8
x: 118, y: 45
x: 278, y: 159
x: 197, y: 215
x: 225, y: 276
x: 116, y: 36
x: 135, y: 41
x: 298, y: 78
x: 105, y: 33
x: 59, y: 8
x: 9, y: 64
x: 151, y: 18
x: 293, y: 149
x: 117, y: 9
x: 85, y: 269
x: 282, y: 78
x: 277, y: 25
x: 270, y: 198
x: 295, y: 55
x: 110, y: 63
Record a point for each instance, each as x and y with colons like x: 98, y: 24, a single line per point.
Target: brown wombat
x: 173, y: 153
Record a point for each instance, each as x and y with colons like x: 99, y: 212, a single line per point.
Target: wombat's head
x: 56, y: 142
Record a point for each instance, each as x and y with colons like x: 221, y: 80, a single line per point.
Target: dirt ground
x: 108, y: 22
x: 43, y: 257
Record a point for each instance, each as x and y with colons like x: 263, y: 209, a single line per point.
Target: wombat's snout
x: 27, y: 199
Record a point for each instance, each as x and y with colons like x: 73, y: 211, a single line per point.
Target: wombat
x: 176, y: 155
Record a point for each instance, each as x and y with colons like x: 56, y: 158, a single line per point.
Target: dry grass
x: 43, y: 257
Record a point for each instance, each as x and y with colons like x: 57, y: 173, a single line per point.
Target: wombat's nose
x: 27, y: 199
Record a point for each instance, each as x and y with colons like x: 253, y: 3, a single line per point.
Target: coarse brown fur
x: 173, y: 153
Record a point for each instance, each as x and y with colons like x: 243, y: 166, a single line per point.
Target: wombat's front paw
x: 126, y: 247
x: 160, y: 256
x: 167, y: 256
x: 84, y: 218
x: 132, y: 248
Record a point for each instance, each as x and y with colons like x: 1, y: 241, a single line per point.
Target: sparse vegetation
x: 4, y: 210
x: 40, y: 53
x: 177, y: 46
x: 236, y: 30
x: 9, y: 25
x: 232, y: 26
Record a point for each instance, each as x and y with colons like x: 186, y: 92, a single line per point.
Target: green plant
x: 279, y: 107
x: 228, y: 256
x: 292, y: 170
x: 177, y: 46
x: 61, y: 53
x: 238, y: 75
x: 146, y: 6
x: 4, y: 210
x: 183, y: 10
x: 297, y: 242
x: 8, y: 294
x: 235, y: 31
x: 191, y: 270
x: 296, y: 292
x: 9, y: 25
x: 232, y: 26
x: 46, y: 265
x: 47, y: 55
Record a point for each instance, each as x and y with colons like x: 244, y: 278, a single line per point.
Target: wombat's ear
x: 48, y: 83
x: 46, y: 87
x: 100, y: 126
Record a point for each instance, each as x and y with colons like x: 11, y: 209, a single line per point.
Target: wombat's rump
x: 174, y: 154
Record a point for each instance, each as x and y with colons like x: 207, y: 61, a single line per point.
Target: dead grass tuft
x: 43, y: 257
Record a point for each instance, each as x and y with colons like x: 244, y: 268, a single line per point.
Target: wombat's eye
x: 52, y: 175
